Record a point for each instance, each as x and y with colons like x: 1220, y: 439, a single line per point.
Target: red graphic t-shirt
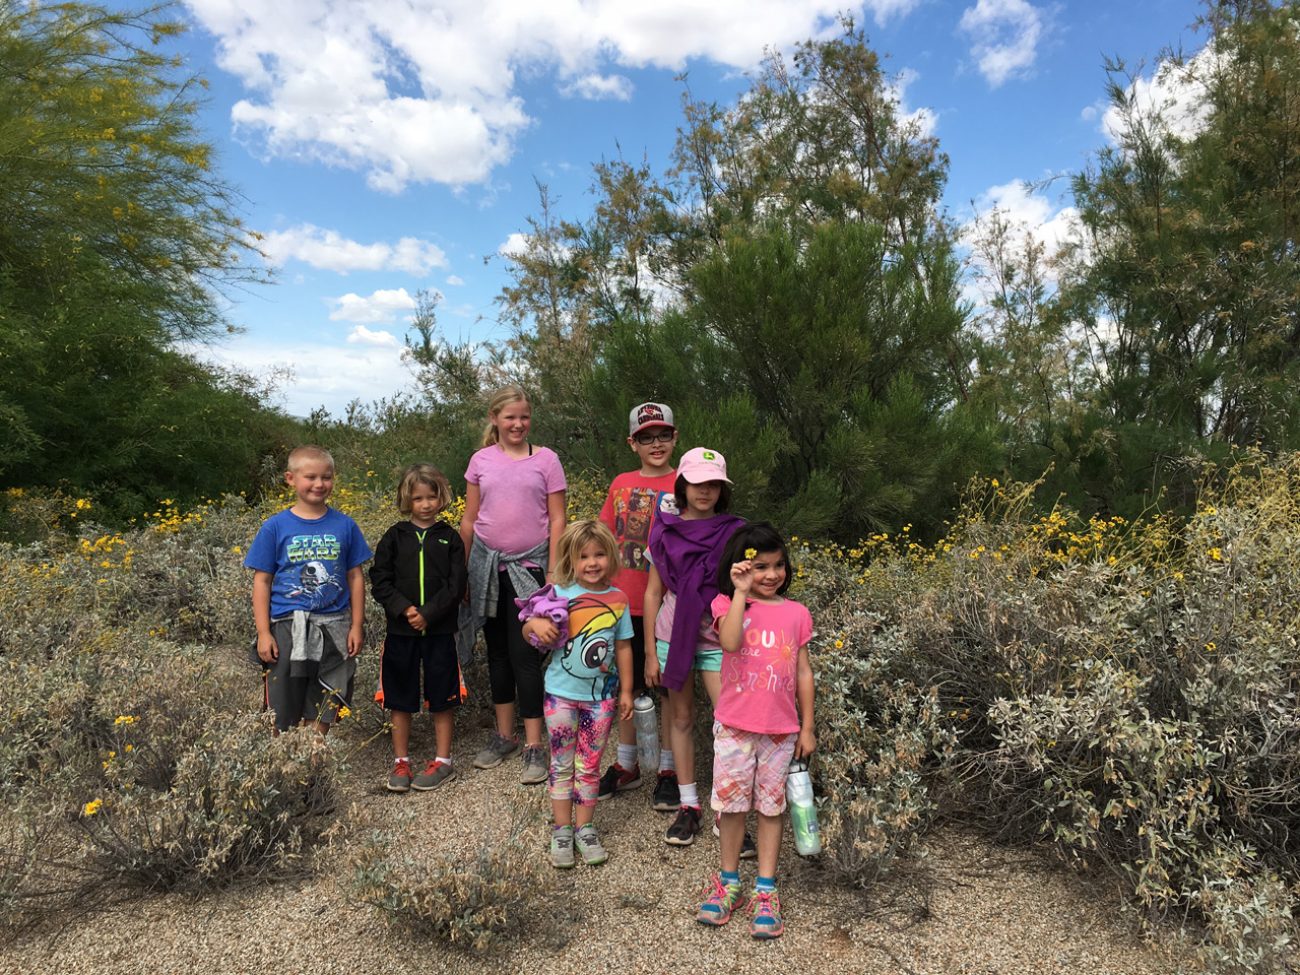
x: 633, y: 503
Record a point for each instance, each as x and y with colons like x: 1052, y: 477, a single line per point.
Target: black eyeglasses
x: 665, y: 435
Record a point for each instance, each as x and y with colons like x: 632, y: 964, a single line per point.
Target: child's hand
x: 806, y: 743
x: 356, y: 638
x: 541, y: 632
x: 652, y: 670
x: 625, y: 705
x: 742, y: 575
x: 414, y: 617
x: 267, y: 650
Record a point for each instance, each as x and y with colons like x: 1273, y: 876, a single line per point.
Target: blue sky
x: 387, y: 146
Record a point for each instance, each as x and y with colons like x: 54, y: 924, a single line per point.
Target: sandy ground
x: 963, y: 907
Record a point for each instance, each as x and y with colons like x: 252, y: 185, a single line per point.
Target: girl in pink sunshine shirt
x: 763, y: 718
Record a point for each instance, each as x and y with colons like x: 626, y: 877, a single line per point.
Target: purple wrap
x: 686, y: 556
x: 546, y: 604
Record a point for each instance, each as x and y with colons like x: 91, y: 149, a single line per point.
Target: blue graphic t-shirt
x: 309, y: 559
x: 584, y: 669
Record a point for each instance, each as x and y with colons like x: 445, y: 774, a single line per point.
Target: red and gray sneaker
x: 618, y: 779
x: 667, y: 797
x: 400, y: 779
x: 434, y: 775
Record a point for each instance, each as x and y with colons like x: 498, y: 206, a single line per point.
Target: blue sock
x: 729, y: 877
x: 765, y: 885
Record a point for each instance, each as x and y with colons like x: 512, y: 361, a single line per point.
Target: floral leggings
x: 578, y: 732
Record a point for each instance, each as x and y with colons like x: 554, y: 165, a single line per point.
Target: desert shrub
x: 473, y: 901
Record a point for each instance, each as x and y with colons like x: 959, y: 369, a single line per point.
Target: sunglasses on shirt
x: 665, y: 435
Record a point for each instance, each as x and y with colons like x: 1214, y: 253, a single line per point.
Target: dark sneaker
x: 720, y: 902
x: 535, y: 765
x: 618, y: 779
x: 562, y: 848
x: 765, y: 916
x: 400, y: 780
x: 667, y: 797
x: 685, y: 826
x: 434, y: 775
x: 589, y: 847
x: 496, y: 751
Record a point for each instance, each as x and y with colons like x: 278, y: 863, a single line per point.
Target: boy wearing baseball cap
x: 634, y: 500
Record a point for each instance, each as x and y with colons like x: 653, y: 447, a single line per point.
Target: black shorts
x: 638, y: 655
x: 399, y: 672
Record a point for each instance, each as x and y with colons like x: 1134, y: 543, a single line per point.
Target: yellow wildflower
x: 92, y: 807
x: 750, y: 552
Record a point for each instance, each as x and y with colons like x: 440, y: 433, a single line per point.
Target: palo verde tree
x: 116, y: 240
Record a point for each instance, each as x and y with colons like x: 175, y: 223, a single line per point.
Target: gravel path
x: 967, y: 908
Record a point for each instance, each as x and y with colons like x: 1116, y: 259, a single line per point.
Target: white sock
x: 400, y: 758
x: 689, y: 796
x: 626, y: 755
x: 666, y: 760
x: 439, y: 758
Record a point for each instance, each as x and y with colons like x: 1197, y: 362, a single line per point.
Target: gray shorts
x: 294, y: 699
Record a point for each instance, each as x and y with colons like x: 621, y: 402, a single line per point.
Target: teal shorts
x: 706, y: 658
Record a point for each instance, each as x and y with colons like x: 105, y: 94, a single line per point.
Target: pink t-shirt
x: 758, y: 680
x: 512, y: 496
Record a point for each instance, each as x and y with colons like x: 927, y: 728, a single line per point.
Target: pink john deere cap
x: 700, y: 464
x: 648, y: 415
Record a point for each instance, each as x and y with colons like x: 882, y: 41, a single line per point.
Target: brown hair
x: 575, y: 537
x: 499, y: 400
x: 422, y: 474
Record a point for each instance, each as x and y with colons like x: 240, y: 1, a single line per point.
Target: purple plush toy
x: 546, y: 604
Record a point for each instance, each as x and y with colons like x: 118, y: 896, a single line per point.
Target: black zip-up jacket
x: 395, y: 576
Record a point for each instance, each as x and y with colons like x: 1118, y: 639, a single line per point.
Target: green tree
x: 116, y: 241
x: 788, y: 286
x: 1185, y: 280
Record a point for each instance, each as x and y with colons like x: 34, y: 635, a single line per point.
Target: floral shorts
x: 749, y: 770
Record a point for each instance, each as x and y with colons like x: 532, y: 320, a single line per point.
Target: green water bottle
x: 803, y: 810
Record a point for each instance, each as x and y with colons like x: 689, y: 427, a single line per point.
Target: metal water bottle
x: 647, y: 733
x: 803, y: 810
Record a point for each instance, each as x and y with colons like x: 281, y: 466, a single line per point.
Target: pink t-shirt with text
x: 512, y: 496
x: 759, y: 679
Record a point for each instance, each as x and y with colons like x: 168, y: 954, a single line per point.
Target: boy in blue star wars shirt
x: 308, y: 597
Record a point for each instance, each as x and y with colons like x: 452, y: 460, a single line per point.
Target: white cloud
x: 455, y: 280
x: 596, y: 87
x: 317, y: 374
x: 513, y: 246
x: 414, y: 91
x: 381, y: 307
x: 924, y: 119
x: 1174, y: 92
x: 1033, y: 211
x: 330, y: 251
x: 363, y: 336
x: 1004, y: 37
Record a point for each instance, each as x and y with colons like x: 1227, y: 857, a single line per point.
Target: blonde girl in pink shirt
x: 514, y: 516
x: 763, y: 718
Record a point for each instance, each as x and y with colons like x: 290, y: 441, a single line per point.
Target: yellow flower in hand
x: 750, y: 552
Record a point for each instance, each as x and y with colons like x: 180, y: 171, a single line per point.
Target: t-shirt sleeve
x: 358, y: 548
x: 805, y: 625
x: 475, y: 469
x: 553, y: 473
x: 718, y: 608
x: 261, y: 555
x: 607, y: 509
x: 623, y: 628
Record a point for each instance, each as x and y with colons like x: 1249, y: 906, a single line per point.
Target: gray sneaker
x: 589, y: 846
x: 496, y: 751
x: 434, y: 775
x: 535, y: 765
x: 562, y: 847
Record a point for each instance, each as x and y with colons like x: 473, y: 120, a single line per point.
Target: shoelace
x: 763, y: 907
x: 432, y: 766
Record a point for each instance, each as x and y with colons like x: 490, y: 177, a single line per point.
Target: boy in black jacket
x: 419, y: 577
